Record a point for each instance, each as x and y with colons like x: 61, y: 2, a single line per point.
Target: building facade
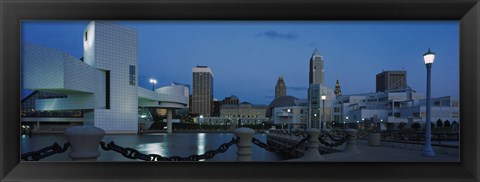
x: 103, y: 85
x: 316, y: 71
x: 280, y: 88
x: 243, y: 110
x: 202, y: 96
x: 390, y: 80
x: 288, y: 112
x: 317, y: 107
x: 391, y: 108
x: 232, y: 100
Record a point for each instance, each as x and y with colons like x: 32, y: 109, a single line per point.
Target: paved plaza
x: 389, y: 154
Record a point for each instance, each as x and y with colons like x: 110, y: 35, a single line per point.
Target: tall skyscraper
x: 202, y: 96
x: 280, y: 88
x: 316, y: 68
x: 389, y: 80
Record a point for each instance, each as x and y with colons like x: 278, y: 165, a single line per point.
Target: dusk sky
x: 247, y: 57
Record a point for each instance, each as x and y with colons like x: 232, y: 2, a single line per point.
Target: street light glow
x: 429, y: 57
x: 153, y: 81
x: 324, y: 97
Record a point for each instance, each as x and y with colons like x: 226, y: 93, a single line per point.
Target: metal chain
x: 334, y: 139
x: 45, y: 152
x: 331, y: 145
x: 278, y: 150
x: 135, y: 154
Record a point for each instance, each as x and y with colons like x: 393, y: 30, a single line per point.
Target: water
x: 167, y: 145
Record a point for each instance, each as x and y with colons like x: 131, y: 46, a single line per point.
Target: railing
x: 84, y: 141
x: 411, y: 136
x: 325, y: 139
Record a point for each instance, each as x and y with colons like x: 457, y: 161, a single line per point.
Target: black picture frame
x: 13, y: 12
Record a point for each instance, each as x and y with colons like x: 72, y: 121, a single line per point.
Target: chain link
x: 336, y: 143
x: 135, y: 154
x: 278, y: 150
x: 45, y: 152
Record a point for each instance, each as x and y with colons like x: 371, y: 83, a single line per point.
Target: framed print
x: 33, y: 31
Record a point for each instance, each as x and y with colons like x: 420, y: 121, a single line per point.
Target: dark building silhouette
x: 202, y: 92
x: 280, y: 88
x: 391, y: 80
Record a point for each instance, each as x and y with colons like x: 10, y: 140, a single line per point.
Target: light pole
x: 347, y: 120
x: 315, y: 119
x: 153, y: 82
x: 324, y: 121
x: 363, y: 123
x: 428, y: 58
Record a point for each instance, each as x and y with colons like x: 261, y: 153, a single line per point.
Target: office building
x: 390, y: 108
x: 232, y: 100
x: 243, y: 110
x: 202, y: 96
x: 280, y: 88
x: 316, y: 71
x: 288, y: 112
x: 391, y: 80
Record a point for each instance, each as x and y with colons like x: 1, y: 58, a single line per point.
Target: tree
x: 447, y: 124
x: 439, y: 123
x: 401, y: 125
x: 415, y: 125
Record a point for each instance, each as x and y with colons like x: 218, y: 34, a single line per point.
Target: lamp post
x: 428, y: 58
x: 200, y: 120
x: 153, y: 82
x: 315, y: 119
x: 346, y: 119
x: 363, y: 123
x: 324, y: 121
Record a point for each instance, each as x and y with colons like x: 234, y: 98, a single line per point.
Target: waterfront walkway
x: 388, y: 154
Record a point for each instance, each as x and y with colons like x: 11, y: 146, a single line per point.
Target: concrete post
x: 351, y: 146
x: 312, y: 153
x: 84, y: 141
x: 169, y: 120
x: 244, y: 151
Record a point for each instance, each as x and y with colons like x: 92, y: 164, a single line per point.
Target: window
x: 132, y: 75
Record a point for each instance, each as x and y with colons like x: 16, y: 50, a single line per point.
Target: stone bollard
x: 351, y: 146
x: 312, y: 153
x: 84, y: 141
x: 244, y: 151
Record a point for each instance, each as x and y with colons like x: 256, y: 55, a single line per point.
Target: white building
x: 318, y: 107
x: 103, y: 84
x: 288, y: 112
x: 392, y: 108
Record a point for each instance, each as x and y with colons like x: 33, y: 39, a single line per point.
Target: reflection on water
x: 167, y: 145
x: 201, y: 143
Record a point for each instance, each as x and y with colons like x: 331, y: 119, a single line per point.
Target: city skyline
x: 248, y: 57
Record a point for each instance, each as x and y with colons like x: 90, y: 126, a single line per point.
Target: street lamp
x: 315, y: 120
x: 363, y: 123
x: 346, y: 119
x: 323, y: 115
x: 153, y: 82
x: 428, y: 58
